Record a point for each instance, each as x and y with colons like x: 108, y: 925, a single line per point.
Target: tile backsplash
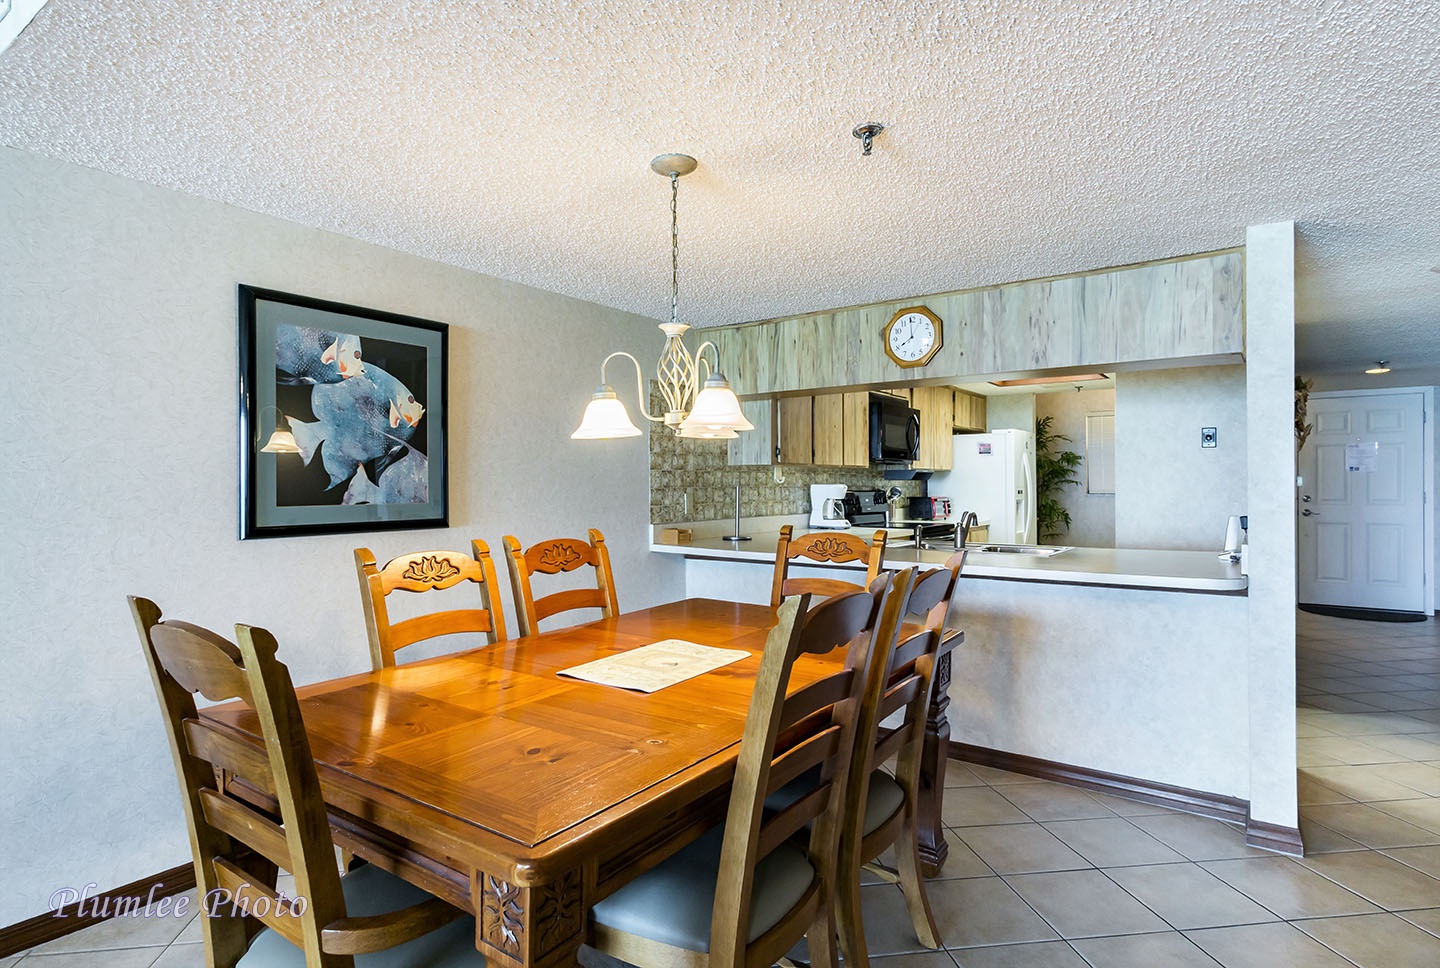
x: 691, y: 481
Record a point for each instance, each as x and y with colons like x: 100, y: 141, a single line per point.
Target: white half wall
x: 119, y: 363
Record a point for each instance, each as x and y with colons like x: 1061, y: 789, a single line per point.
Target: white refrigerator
x: 994, y: 476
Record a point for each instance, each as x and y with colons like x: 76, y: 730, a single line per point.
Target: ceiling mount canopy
x: 708, y: 411
x: 867, y: 133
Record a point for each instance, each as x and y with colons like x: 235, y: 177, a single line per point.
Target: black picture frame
x: 364, y: 396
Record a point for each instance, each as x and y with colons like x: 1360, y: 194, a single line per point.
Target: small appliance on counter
x: 867, y: 509
x: 928, y: 509
x: 827, y: 506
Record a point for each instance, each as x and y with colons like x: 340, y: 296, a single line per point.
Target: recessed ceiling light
x: 1381, y: 366
x: 1037, y: 380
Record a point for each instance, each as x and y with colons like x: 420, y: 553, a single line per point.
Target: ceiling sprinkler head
x: 1381, y: 366
x: 866, y: 133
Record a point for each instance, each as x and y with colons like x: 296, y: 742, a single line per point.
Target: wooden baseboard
x: 1269, y: 836
x: 1232, y: 810
x: 26, y: 934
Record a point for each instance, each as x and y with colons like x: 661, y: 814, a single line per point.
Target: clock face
x: 912, y: 335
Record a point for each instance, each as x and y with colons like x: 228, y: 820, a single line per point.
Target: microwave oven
x: 894, y: 430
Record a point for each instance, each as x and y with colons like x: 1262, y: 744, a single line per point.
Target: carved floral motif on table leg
x: 530, y: 923
x: 502, y: 915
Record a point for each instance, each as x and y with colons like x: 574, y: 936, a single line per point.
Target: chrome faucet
x: 968, y: 520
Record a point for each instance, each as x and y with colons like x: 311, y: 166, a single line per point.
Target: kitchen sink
x: 1034, y: 551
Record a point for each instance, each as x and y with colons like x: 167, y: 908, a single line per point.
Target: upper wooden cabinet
x: 937, y: 419
x: 828, y: 428
x: 969, y: 411
x: 794, y: 419
x: 837, y: 433
x: 755, y: 446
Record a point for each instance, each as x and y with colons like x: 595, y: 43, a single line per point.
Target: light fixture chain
x: 674, y: 248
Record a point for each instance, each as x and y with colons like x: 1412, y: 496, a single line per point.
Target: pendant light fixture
x: 705, y: 411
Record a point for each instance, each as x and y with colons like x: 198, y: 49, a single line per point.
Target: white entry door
x: 1361, y: 501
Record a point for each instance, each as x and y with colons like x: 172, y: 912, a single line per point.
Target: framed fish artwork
x: 342, y: 418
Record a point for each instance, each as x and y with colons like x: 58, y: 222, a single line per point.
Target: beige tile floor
x: 1047, y: 876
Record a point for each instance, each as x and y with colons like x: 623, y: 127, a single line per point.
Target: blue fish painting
x: 304, y: 354
x: 406, y: 481
x: 363, y: 418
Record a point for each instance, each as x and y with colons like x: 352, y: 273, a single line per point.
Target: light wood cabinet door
x: 937, y: 419
x: 969, y: 411
x: 794, y: 416
x: 755, y: 446
x: 857, y: 430
x: 828, y: 428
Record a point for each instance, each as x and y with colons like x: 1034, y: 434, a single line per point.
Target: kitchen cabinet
x: 969, y: 412
x: 755, y: 446
x: 937, y: 423
x: 856, y: 451
x: 828, y: 429
x: 794, y: 417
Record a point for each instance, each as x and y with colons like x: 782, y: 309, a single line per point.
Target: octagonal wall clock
x: 913, y: 336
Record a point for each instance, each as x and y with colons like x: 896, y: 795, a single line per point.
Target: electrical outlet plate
x: 1208, y: 437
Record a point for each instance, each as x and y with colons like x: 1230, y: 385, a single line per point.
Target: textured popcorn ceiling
x: 1023, y: 139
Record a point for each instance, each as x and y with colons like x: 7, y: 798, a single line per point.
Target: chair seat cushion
x: 672, y: 902
x: 369, y: 890
x: 885, y: 797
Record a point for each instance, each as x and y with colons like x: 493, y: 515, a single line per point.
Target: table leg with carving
x: 933, y: 848
x: 530, y: 927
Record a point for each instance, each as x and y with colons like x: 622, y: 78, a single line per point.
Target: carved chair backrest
x: 427, y: 571
x: 825, y: 547
x: 553, y: 557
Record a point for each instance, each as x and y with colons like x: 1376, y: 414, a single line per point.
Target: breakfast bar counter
x: 1182, y: 571
x: 1103, y: 664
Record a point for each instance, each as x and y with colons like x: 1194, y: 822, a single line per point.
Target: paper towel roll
x: 1232, y: 533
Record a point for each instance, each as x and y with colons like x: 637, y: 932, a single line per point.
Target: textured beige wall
x: 1092, y: 516
x: 118, y: 379
x: 1170, y: 493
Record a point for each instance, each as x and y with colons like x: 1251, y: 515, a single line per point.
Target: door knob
x: 1305, y: 498
x: 1308, y: 513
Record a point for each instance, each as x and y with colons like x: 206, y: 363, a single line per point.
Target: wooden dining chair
x: 823, y: 546
x: 882, y: 809
x: 427, y: 571
x: 553, y: 557
x: 745, y: 892
x: 238, y: 846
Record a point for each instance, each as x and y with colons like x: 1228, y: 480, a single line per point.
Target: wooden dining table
x: 489, y: 780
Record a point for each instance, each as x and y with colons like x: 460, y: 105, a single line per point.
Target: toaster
x: 928, y: 508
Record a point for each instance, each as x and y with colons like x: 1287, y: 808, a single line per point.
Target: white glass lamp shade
x: 716, y: 408
x: 605, y: 418
x: 281, y: 442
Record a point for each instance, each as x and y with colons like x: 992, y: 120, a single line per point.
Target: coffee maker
x: 827, y: 506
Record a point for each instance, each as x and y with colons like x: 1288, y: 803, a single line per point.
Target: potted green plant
x: 1052, y: 472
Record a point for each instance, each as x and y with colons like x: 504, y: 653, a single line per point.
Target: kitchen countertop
x: 1185, y: 571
